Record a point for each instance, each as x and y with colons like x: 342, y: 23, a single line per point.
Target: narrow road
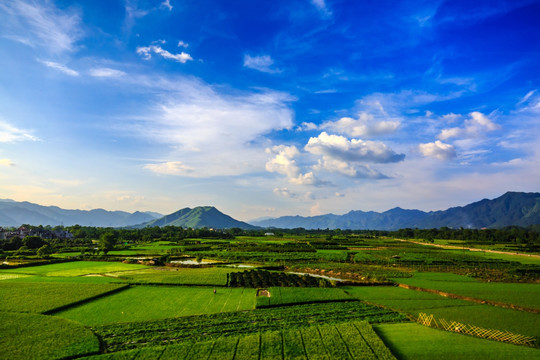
x: 470, y: 249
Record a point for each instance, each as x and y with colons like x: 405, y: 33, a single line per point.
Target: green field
x: 183, y: 276
x: 33, y: 336
x: 417, y: 342
x: 415, y: 302
x: 39, y: 297
x: 74, y: 268
x: 142, y: 303
x: 527, y: 295
x: 291, y: 295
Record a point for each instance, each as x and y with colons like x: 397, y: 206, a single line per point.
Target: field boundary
x: 87, y: 300
x: 471, y: 299
x: 454, y: 326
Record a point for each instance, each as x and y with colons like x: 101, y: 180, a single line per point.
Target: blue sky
x: 268, y: 108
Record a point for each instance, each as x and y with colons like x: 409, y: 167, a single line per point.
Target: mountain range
x: 512, y: 208
x: 13, y: 213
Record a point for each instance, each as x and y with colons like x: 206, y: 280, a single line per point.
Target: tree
x: 33, y: 242
x: 107, y: 242
x: 44, y: 250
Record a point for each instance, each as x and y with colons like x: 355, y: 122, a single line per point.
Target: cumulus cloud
x: 169, y: 168
x: 438, y: 150
x: 340, y: 148
x: 357, y: 171
x: 47, y: 26
x: 6, y: 162
x: 62, y: 68
x: 146, y: 53
x: 9, y: 134
x: 476, y: 126
x: 364, y: 126
x: 261, y: 63
x: 106, y: 72
x: 284, y: 163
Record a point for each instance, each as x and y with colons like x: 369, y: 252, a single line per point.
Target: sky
x: 268, y: 108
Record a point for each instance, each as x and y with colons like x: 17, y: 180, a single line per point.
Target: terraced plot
x: 74, y: 268
x: 143, y: 303
x: 184, y: 276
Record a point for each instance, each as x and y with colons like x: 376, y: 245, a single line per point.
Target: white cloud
x: 364, y: 126
x: 476, y: 126
x: 9, y: 134
x: 261, y: 63
x: 322, y: 7
x: 146, y: 53
x: 41, y: 24
x: 284, y: 163
x: 62, y: 68
x: 357, y: 171
x: 106, y: 72
x: 307, y: 126
x: 170, y: 168
x: 286, y: 193
x: 167, y: 5
x: 356, y: 150
x: 6, y: 162
x: 183, y: 44
x: 438, y: 150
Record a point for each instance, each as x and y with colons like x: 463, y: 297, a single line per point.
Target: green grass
x: 143, y: 303
x: 290, y: 295
x: 32, y: 336
x: 527, y: 295
x: 184, y: 276
x: 74, y: 268
x: 39, y: 297
x: 414, y: 341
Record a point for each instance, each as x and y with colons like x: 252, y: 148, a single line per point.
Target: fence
x: 454, y: 326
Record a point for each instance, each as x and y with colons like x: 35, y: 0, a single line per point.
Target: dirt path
x: 470, y: 249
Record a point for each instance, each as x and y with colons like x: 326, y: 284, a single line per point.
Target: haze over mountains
x: 512, y: 208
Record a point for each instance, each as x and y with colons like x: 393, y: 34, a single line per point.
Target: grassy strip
x: 132, y: 335
x: 42, y: 297
x: 280, y: 296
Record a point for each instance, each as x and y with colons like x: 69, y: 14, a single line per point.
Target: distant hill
x: 199, y: 217
x: 512, y: 208
x: 13, y: 213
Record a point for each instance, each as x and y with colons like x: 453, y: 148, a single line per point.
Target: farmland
x: 168, y: 309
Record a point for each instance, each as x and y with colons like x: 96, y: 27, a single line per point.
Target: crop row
x: 278, y: 296
x: 353, y: 340
x: 261, y: 278
x: 122, y: 336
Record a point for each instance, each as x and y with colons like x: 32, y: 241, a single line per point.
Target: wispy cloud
x: 106, y: 72
x: 41, y: 24
x: 166, y: 4
x: 60, y: 67
x: 170, y: 168
x: 146, y: 53
x: 322, y: 7
x: 262, y: 63
x: 9, y: 134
